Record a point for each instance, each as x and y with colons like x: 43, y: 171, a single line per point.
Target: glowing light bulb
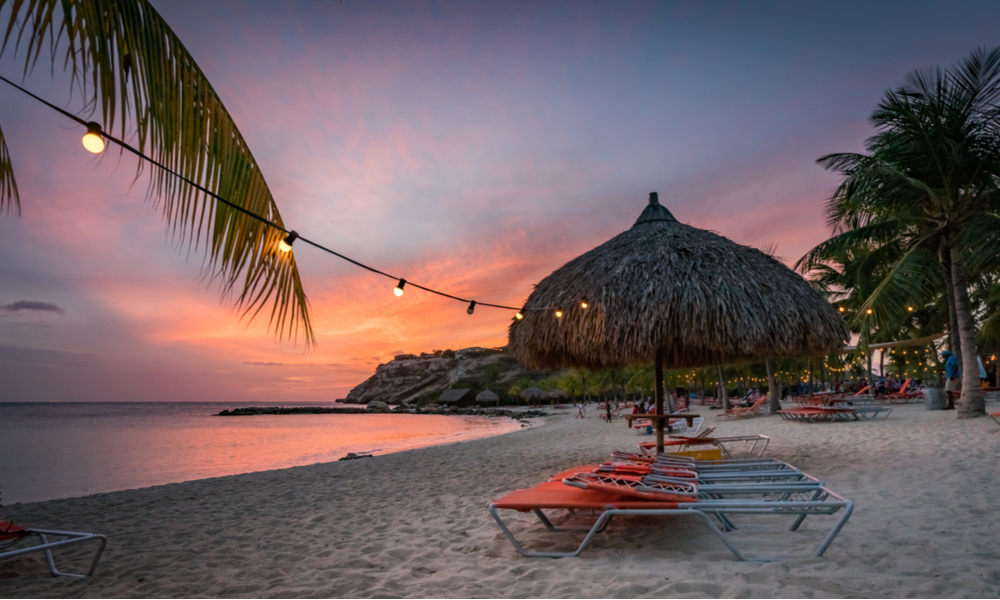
x: 869, y: 311
x: 584, y: 304
x: 285, y: 245
x: 909, y: 308
x: 92, y: 140
x: 559, y: 314
x: 841, y: 309
x: 519, y: 315
x: 398, y: 290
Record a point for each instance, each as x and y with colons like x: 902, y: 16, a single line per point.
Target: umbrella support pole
x: 659, y: 401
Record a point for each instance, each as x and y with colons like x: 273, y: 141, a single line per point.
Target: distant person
x: 581, y: 411
x: 953, y: 377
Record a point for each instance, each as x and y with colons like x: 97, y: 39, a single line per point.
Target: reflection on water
x: 62, y: 450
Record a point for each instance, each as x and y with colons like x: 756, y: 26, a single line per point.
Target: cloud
x: 32, y: 305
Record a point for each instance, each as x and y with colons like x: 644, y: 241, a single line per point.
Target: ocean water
x: 62, y: 450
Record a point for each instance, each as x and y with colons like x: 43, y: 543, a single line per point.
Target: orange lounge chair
x: 754, y: 410
x: 758, y: 443
x: 630, y: 495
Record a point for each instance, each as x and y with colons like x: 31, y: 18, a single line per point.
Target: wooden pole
x: 659, y: 401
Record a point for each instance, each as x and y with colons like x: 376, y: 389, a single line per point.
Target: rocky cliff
x: 408, y: 377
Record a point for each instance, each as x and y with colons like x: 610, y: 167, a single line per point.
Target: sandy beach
x: 415, y: 524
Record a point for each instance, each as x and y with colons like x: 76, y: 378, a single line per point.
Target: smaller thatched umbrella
x: 532, y: 392
x: 487, y: 396
x: 555, y: 394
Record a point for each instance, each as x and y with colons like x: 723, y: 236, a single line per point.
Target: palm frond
x: 134, y: 71
x: 10, y: 201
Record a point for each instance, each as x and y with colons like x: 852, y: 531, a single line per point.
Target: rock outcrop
x: 408, y: 377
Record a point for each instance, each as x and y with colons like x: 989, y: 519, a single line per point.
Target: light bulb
x: 584, y: 304
x: 558, y: 314
x: 285, y: 245
x: 92, y: 140
x: 869, y: 311
x: 472, y: 307
x: 398, y: 290
x: 519, y: 315
x: 909, y: 308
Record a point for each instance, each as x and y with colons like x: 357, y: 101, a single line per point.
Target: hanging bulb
x: 93, y: 139
x: 285, y: 245
x: 909, y: 308
x: 841, y: 309
x: 472, y: 307
x: 519, y: 315
x: 869, y: 311
x: 398, y: 290
x: 558, y: 314
x: 584, y: 305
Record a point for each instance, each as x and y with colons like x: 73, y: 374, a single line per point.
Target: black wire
x: 219, y: 198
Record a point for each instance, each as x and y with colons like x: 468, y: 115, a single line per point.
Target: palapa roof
x: 700, y: 297
x: 532, y: 392
x: 555, y: 393
x: 487, y: 396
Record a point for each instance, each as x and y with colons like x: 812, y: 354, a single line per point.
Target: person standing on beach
x: 581, y: 411
x: 953, y: 377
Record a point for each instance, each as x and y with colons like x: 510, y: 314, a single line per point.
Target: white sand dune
x: 414, y: 524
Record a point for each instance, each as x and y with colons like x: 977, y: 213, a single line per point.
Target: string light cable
x: 94, y: 141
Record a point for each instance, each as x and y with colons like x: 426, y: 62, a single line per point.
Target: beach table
x: 689, y: 417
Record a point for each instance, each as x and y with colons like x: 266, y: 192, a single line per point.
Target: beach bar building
x: 457, y: 397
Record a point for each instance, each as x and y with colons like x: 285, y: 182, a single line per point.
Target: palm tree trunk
x: 954, y: 341
x: 772, y: 390
x: 723, y: 392
x: 973, y: 401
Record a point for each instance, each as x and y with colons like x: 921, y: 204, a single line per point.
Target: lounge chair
x: 758, y: 443
x: 828, y: 414
x: 12, y: 535
x: 758, y: 408
x: 630, y: 495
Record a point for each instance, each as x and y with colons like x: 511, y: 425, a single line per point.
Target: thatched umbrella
x: 532, y: 392
x: 555, y: 394
x: 487, y: 396
x: 686, y: 296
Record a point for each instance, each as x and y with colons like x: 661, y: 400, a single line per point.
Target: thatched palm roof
x: 554, y: 394
x: 532, y: 392
x: 662, y: 285
x: 487, y: 396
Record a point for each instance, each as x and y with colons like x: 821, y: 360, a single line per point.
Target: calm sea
x: 61, y: 450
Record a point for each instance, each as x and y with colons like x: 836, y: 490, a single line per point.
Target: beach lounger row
x: 828, y: 414
x: 712, y: 492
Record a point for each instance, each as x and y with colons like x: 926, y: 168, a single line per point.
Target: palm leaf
x: 133, y: 70
x: 10, y: 202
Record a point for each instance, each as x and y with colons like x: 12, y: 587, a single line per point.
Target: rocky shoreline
x: 381, y: 407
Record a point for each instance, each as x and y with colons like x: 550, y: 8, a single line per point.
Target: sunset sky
x: 473, y: 147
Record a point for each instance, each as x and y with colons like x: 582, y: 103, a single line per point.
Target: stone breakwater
x: 431, y: 409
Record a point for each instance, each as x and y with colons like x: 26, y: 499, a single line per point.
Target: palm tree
x: 928, y: 186
x: 133, y: 72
